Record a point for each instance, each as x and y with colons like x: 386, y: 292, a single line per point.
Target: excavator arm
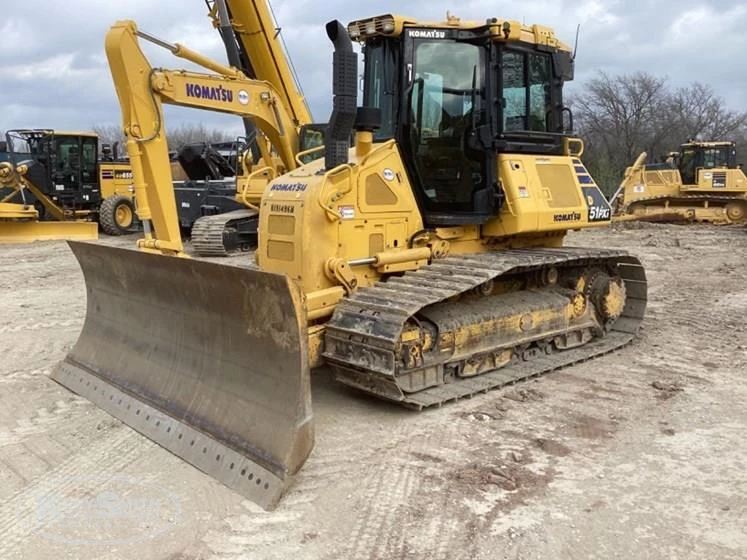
x: 261, y: 50
x: 142, y: 90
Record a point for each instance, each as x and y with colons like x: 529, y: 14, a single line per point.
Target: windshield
x: 715, y: 157
x: 448, y: 79
x: 25, y: 144
x: 380, y: 84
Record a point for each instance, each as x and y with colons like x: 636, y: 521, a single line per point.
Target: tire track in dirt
x: 41, y: 325
x: 382, y: 494
x: 273, y: 531
x: 21, y: 376
x: 43, y: 420
x: 107, y: 455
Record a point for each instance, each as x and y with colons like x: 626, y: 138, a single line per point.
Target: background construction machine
x: 19, y: 217
x: 424, y: 265
x: 701, y: 183
x: 64, y: 179
x: 227, y: 221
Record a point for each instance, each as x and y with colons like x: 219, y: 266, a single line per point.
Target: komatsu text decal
x: 426, y: 34
x: 218, y: 93
x: 289, y: 187
x: 567, y: 217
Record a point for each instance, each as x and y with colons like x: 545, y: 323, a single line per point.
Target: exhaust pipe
x: 345, y: 92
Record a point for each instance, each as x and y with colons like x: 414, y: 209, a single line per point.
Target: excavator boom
x: 261, y: 47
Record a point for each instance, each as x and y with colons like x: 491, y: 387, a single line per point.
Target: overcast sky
x: 54, y: 73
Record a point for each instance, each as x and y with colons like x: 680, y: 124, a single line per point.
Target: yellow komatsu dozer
x: 19, y: 218
x: 422, y: 265
x: 701, y: 183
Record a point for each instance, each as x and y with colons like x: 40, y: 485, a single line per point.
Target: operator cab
x: 705, y: 155
x: 454, y: 95
x: 63, y: 165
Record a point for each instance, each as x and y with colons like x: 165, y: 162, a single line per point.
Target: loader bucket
x: 210, y: 361
x: 29, y: 231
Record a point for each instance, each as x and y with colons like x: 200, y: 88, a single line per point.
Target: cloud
x: 55, y: 73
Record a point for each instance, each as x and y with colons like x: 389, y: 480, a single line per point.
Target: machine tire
x: 117, y: 215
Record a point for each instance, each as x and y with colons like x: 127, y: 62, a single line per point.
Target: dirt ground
x: 638, y: 454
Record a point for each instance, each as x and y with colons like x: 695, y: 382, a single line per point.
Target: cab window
x: 527, y: 87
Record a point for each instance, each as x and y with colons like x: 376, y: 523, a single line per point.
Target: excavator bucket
x: 28, y: 231
x: 210, y: 361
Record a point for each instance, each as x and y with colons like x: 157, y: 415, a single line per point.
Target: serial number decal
x: 289, y: 187
x: 598, y: 213
x: 599, y: 208
x: 282, y: 208
x: 567, y: 217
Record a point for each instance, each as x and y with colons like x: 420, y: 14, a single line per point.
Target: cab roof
x: 503, y: 30
x: 49, y: 131
x: 717, y: 144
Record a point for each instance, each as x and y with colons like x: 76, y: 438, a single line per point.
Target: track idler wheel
x: 736, y: 211
x: 607, y: 294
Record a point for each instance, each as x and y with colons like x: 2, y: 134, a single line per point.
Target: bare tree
x: 696, y: 112
x: 188, y: 133
x: 176, y: 137
x: 619, y: 117
x: 109, y: 134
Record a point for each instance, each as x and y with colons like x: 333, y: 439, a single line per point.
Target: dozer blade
x: 210, y: 361
x: 26, y: 232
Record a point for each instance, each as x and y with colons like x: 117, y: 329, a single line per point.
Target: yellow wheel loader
x: 701, y: 183
x: 423, y: 265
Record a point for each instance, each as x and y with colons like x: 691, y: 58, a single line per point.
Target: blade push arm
x: 142, y: 90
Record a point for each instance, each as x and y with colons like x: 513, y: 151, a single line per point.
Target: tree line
x: 177, y: 136
x: 618, y: 117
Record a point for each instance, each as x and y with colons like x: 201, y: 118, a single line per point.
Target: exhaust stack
x: 345, y: 92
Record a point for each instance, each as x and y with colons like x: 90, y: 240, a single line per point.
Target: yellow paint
x: 28, y: 231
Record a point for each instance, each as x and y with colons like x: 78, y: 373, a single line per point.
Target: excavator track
x: 676, y: 212
x: 222, y: 234
x: 364, y: 337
